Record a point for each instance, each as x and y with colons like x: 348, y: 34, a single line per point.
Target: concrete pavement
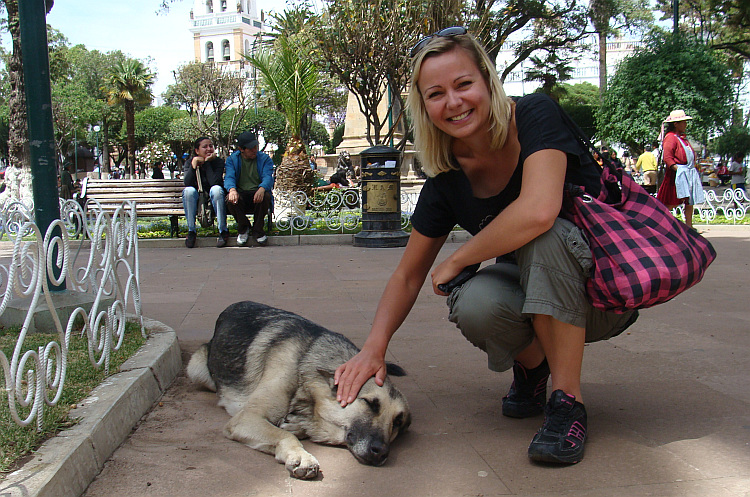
x: 667, y: 401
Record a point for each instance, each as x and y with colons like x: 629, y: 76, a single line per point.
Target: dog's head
x: 374, y: 419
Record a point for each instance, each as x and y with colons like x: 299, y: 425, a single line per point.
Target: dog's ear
x: 394, y: 369
x: 328, y: 375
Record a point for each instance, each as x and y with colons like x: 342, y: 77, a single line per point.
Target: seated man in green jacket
x: 248, y: 181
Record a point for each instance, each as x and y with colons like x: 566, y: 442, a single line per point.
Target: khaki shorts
x: 649, y: 178
x: 494, y: 309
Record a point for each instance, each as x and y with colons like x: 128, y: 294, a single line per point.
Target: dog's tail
x: 197, y: 368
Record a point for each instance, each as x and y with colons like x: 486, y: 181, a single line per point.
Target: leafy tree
x: 271, y: 125
x: 580, y: 93
x: 552, y: 25
x: 724, y: 25
x: 152, y: 124
x: 180, y: 138
x: 348, y: 31
x: 550, y: 71
x: 292, y: 77
x: 736, y: 140
x: 319, y: 135
x: 581, y: 102
x: 131, y: 83
x: 90, y: 70
x: 330, y: 101
x: 338, y: 137
x: 347, y: 36
x: 608, y: 18
x: 672, y: 72
x: 207, y: 91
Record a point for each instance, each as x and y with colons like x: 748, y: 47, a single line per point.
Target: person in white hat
x: 682, y: 181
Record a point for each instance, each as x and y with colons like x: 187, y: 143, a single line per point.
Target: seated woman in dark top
x: 210, y: 166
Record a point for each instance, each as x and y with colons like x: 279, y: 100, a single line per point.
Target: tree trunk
x: 105, y: 148
x: 602, y: 65
x: 18, y: 178
x: 130, y: 126
x: 294, y: 173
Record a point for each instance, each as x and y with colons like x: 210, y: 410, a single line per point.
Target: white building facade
x: 586, y: 69
x: 223, y: 30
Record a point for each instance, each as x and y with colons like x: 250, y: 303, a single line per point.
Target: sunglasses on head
x: 444, y: 33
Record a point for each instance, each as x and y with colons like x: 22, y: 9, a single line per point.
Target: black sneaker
x: 528, y: 391
x: 190, y: 240
x: 561, y: 437
x: 222, y: 240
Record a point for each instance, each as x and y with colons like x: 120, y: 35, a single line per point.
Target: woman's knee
x: 217, y: 193
x: 189, y: 193
x: 487, y: 305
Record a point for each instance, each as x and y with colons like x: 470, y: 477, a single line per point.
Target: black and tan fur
x: 273, y: 372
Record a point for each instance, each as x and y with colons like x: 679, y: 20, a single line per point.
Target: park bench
x: 153, y: 197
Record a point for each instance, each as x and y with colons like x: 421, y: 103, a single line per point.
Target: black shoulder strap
x: 583, y: 140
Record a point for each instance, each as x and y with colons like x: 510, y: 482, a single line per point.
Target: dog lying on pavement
x: 273, y: 372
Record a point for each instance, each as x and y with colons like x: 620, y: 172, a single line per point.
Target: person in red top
x: 682, y: 182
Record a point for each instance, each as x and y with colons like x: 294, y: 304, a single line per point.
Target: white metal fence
x: 334, y: 210
x: 339, y: 210
x: 35, y: 379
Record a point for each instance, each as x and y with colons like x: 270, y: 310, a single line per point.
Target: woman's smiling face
x: 205, y: 148
x: 455, y: 94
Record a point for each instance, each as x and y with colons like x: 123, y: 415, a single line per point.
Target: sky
x: 134, y: 27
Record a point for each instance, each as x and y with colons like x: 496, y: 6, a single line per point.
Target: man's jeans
x: 190, y: 204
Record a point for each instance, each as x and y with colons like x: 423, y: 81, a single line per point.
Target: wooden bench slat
x: 153, y: 198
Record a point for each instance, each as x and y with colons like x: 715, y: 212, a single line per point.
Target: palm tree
x: 130, y: 82
x: 293, y: 79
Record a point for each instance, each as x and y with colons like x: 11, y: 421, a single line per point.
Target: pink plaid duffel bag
x: 643, y: 255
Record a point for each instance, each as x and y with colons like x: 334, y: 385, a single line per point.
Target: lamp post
x: 98, y: 158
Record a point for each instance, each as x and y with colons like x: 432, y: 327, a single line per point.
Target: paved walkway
x: 668, y: 401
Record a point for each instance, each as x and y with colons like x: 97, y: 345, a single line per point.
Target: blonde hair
x: 433, y: 146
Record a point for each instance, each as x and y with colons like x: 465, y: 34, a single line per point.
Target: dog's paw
x: 303, y: 465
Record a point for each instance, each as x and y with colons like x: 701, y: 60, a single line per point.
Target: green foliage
x: 319, y: 135
x: 735, y: 141
x: 271, y: 125
x: 671, y: 73
x: 152, y: 124
x: 584, y: 116
x: 130, y: 83
x: 338, y: 137
x: 292, y: 76
x: 208, y: 91
x: 580, y: 93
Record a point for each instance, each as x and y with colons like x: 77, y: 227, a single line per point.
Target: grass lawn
x: 18, y: 442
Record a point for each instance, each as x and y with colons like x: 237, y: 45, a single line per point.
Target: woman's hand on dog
x: 354, y: 373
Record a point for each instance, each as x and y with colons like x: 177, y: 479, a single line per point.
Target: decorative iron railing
x: 36, y: 378
x: 335, y: 210
x: 339, y: 210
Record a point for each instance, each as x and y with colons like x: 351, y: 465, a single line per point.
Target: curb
x: 277, y: 241
x: 66, y: 464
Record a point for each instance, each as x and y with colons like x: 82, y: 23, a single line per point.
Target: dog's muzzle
x: 368, y: 449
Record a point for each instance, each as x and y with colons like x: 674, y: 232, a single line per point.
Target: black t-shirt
x: 447, y: 199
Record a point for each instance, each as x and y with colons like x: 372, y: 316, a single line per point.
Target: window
x: 210, y: 6
x: 209, y: 52
x: 225, y: 50
x: 223, y: 5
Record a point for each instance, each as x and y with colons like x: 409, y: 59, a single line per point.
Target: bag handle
x: 611, y: 179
